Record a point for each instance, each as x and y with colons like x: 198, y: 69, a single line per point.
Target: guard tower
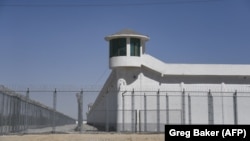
x: 145, y: 93
x: 126, y: 48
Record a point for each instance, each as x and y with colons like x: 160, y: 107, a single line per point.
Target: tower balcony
x: 124, y: 61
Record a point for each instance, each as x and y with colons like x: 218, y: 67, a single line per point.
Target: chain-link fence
x: 20, y: 114
x: 149, y: 111
x: 123, y: 111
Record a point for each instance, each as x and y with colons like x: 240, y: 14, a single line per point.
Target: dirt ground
x: 84, y: 137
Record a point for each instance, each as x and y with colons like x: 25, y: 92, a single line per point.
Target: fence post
x: 81, y: 110
x: 79, y: 101
x: 167, y: 109
x: 235, y: 108
x: 139, y: 116
x: 145, y: 112
x: 183, y: 106
x: 133, y: 111
x: 158, y: 111
x: 123, y: 110
x: 2, y: 114
x: 78, y: 108
x: 54, y: 111
x: 26, y: 110
x: 7, y: 119
x: 18, y: 114
x: 189, y: 110
x: 12, y: 111
x: 210, y: 108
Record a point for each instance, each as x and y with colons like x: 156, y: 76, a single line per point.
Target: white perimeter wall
x: 145, y: 83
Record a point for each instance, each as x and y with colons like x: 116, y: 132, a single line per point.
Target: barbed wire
x: 106, y: 4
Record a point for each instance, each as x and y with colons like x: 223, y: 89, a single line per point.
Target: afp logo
x: 234, y: 133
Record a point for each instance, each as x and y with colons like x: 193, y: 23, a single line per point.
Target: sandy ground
x: 89, y: 134
x: 85, y: 137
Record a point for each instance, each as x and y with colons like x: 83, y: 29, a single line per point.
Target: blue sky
x: 48, y: 44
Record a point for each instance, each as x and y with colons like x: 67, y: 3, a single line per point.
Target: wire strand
x: 109, y: 4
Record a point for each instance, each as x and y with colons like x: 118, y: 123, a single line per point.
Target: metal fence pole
x: 54, y: 111
x: 133, y: 111
x: 167, y: 109
x: 2, y: 114
x: 81, y: 110
x: 158, y: 111
x: 7, y: 114
x: 12, y: 110
x: 26, y: 110
x: 210, y: 108
x: 145, y: 112
x: 235, y: 108
x: 139, y: 116
x: 18, y: 114
x: 189, y: 110
x: 14, y: 115
x: 123, y: 112
x: 183, y: 106
x: 80, y: 106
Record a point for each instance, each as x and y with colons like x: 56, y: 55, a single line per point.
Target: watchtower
x: 126, y: 48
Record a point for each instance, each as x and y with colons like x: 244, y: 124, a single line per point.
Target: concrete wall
x: 103, y: 113
x: 147, y: 83
x: 134, y: 90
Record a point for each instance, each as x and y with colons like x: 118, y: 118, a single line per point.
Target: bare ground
x: 85, y: 137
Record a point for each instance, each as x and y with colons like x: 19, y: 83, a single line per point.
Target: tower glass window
x: 117, y: 47
x: 135, y: 45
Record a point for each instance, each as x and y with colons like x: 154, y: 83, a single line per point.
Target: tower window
x: 117, y: 47
x: 135, y: 45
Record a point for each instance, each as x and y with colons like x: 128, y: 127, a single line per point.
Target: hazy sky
x: 60, y: 43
